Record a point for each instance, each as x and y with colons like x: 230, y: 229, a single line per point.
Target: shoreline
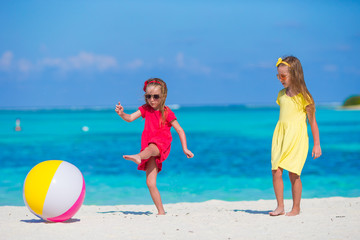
x: 320, y: 218
x: 174, y: 106
x: 353, y: 107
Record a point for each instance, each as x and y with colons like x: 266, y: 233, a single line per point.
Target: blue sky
x: 95, y: 53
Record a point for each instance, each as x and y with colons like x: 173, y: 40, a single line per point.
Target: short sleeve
x: 304, y: 102
x: 278, y: 97
x: 170, y: 115
x: 143, y: 111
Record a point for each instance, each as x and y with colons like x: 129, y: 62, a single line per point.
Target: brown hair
x: 298, y: 81
x: 163, y: 94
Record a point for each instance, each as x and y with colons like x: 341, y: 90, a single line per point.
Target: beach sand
x: 326, y: 218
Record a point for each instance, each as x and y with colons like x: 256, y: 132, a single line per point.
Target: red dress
x: 156, y: 134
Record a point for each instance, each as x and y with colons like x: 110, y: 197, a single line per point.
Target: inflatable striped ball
x: 54, y: 190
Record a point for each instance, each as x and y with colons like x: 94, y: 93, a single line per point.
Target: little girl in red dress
x: 156, y: 137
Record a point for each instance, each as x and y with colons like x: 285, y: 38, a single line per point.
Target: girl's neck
x: 290, y: 92
x: 155, y: 109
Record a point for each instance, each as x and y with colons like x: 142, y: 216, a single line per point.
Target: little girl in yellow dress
x: 290, y: 142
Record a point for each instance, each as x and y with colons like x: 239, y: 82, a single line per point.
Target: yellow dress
x: 290, y: 143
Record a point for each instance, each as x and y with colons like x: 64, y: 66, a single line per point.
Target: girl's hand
x: 119, y: 109
x: 188, y: 153
x: 316, y: 152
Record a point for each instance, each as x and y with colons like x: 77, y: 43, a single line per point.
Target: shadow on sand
x: 254, y: 211
x: 71, y: 220
x: 128, y: 212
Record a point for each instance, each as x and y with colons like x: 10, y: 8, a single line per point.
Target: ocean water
x: 231, y: 144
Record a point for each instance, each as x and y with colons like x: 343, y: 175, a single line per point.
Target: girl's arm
x: 316, y: 152
x: 182, y: 137
x: 127, y: 117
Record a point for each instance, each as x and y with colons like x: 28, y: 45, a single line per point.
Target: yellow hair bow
x: 281, y: 61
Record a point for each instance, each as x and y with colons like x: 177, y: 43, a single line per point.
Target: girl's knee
x: 153, y: 148
x: 277, y: 173
x: 151, y: 183
x: 293, y: 175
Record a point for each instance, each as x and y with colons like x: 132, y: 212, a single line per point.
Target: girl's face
x: 284, y: 76
x: 153, y: 96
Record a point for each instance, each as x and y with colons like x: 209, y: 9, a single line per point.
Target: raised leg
x: 151, y: 151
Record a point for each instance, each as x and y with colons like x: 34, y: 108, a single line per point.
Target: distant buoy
x: 85, y: 128
x: 17, y: 125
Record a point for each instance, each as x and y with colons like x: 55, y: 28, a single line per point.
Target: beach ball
x: 54, y: 190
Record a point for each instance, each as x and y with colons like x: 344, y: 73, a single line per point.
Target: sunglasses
x: 155, y: 96
x: 281, y: 76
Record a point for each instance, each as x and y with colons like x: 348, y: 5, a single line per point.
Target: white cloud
x: 133, y: 65
x: 88, y: 60
x: 106, y: 62
x: 6, y: 60
x: 260, y: 65
x: 196, y: 66
x: 53, y: 62
x: 330, y: 68
x: 191, y: 64
x: 24, y: 66
x: 180, y: 60
x: 83, y: 60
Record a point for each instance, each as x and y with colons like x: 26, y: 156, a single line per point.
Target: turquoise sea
x: 231, y: 145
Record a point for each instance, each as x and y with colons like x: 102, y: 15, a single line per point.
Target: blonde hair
x: 157, y: 82
x: 298, y: 81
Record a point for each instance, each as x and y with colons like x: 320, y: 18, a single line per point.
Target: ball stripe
x: 64, y: 190
x: 68, y: 214
x: 37, y: 184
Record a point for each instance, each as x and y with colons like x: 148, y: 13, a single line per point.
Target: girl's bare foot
x: 277, y: 212
x: 135, y: 158
x: 293, y: 212
x: 161, y: 213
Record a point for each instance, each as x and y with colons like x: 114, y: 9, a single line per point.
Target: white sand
x: 327, y: 218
